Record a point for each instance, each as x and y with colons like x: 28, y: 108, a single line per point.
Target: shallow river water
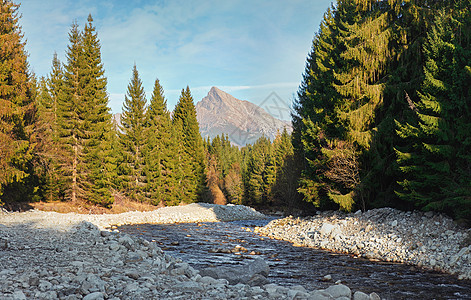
x: 205, y: 244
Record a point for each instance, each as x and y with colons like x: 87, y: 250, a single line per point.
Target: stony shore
x: 427, y: 240
x: 45, y: 255
x: 196, y: 212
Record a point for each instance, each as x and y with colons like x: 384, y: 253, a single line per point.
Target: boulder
x: 189, y: 286
x: 320, y: 295
x: 249, y: 273
x: 339, y: 290
x: 360, y: 296
x: 374, y: 296
x: 257, y: 280
x: 18, y: 295
x: 329, y: 229
x: 94, y: 296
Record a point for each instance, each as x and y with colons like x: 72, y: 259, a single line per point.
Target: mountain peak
x: 217, y: 95
x: 244, y: 122
x: 214, y: 90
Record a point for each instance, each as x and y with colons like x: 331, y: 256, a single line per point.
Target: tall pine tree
x: 99, y: 157
x: 436, y: 168
x: 261, y: 172
x: 133, y: 137
x: 47, y: 148
x: 315, y: 117
x: 84, y: 121
x: 185, y: 113
x: 161, y: 161
x: 17, y: 111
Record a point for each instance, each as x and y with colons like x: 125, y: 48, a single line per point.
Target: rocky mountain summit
x: 244, y: 122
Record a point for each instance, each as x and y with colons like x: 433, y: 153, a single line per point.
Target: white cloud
x: 243, y: 47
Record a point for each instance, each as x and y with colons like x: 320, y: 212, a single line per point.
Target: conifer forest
x: 382, y: 118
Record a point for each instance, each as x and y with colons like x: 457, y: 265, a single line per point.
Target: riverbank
x: 195, y: 212
x: 427, y: 240
x: 46, y: 255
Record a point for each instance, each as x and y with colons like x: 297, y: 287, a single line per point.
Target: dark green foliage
x: 367, y: 70
x: 162, y: 164
x: 84, y: 122
x: 436, y: 160
x: 285, y: 189
x: 17, y: 110
x: 98, y: 152
x: 133, y: 139
x: 194, y: 173
x: 47, y: 148
x: 315, y: 118
x: 261, y: 173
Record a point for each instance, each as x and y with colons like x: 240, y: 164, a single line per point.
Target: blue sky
x: 246, y: 48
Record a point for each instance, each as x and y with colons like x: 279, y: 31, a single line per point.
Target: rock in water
x: 360, y: 296
x: 240, y: 274
x: 339, y: 290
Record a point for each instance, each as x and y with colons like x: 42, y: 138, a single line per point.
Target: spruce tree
x: 185, y: 113
x: 284, y: 191
x: 84, y: 121
x: 71, y: 125
x: 47, y: 166
x: 409, y: 22
x: 315, y: 117
x: 365, y: 58
x: 17, y: 111
x: 184, y: 185
x: 436, y: 168
x: 133, y: 137
x: 360, y: 85
x: 46, y: 133
x: 99, y: 158
x: 161, y: 163
x: 260, y: 173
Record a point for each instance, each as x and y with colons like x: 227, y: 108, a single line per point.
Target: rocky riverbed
x: 426, y: 240
x: 196, y: 212
x: 46, y: 255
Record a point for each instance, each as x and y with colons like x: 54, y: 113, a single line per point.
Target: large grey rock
x: 127, y: 242
x: 329, y: 229
x: 339, y: 290
x: 320, y: 295
x: 360, y: 296
x: 257, y: 280
x: 18, y: 295
x: 374, y: 296
x: 45, y: 285
x: 94, y: 296
x: 189, y: 286
x: 239, y: 274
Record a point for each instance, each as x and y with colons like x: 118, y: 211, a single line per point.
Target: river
x: 209, y: 244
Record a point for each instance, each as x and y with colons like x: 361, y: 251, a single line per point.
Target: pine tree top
x: 158, y: 103
x: 134, y: 104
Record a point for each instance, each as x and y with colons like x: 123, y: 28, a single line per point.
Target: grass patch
x: 121, y: 204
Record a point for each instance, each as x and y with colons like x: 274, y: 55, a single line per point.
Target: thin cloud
x: 245, y: 48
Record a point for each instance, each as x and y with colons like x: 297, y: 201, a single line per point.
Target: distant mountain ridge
x: 244, y: 122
